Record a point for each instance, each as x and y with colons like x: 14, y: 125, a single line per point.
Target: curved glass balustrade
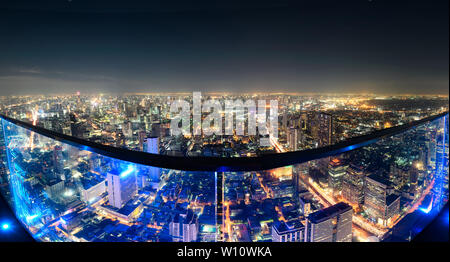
x: 381, y: 188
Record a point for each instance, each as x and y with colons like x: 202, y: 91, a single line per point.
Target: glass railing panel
x: 385, y: 191
x: 64, y: 193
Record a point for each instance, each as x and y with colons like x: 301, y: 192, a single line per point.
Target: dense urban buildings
x: 65, y: 192
x: 332, y: 224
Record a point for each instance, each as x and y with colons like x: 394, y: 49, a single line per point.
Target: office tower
x: 325, y: 131
x: 353, y: 185
x: 336, y: 173
x: 184, y: 227
x: 142, y: 135
x: 290, y: 231
x: 292, y: 138
x: 156, y: 129
x: 152, y: 146
x: 332, y: 224
x: 121, y: 186
x: 379, y: 203
x: 58, y: 162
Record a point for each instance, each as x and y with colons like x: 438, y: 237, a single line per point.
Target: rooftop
x: 329, y: 212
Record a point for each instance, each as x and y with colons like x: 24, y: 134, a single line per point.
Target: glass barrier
x: 385, y: 191
x: 62, y: 193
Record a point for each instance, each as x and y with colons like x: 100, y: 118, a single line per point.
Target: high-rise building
x: 142, y: 135
x: 151, y: 145
x: 379, y: 202
x: 353, y: 185
x: 293, y: 135
x: 332, y: 224
x: 122, y: 186
x: 290, y: 231
x: 321, y: 128
x: 325, y: 134
x: 184, y: 227
x: 58, y: 162
x: 336, y: 173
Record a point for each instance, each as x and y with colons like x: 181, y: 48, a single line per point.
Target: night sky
x: 384, y: 47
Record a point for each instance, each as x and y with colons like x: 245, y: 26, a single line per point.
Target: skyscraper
x: 293, y: 134
x: 121, y: 186
x: 336, y: 172
x: 141, y: 137
x: 152, y: 146
x: 379, y: 203
x: 353, y: 185
x: 58, y: 162
x: 332, y: 224
x: 325, y: 131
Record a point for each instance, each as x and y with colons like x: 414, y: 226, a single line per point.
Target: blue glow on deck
x: 5, y: 226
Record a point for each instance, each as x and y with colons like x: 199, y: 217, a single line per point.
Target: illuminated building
x: 92, y: 188
x: 379, y: 202
x: 122, y: 186
x: 184, y: 227
x: 141, y: 138
x: 322, y: 128
x: 234, y: 199
x: 293, y: 138
x: 336, y: 173
x: 58, y: 161
x: 128, y: 212
x: 332, y: 224
x: 291, y: 231
x: 353, y: 185
x: 152, y: 146
x: 305, y: 203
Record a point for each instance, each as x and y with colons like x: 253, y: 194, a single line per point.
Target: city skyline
x: 224, y: 121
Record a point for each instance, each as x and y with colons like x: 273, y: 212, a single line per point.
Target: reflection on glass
x: 62, y: 193
x: 385, y: 191
x: 381, y: 191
